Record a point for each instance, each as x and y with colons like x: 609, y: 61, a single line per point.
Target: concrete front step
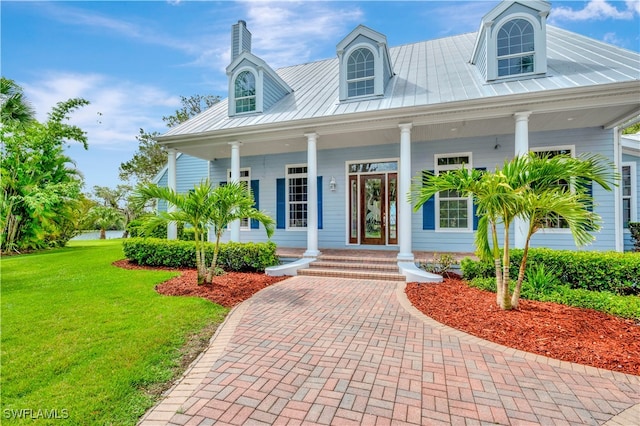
x: 356, y: 259
x: 351, y: 273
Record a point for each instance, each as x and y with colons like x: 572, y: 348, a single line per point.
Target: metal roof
x: 429, y: 73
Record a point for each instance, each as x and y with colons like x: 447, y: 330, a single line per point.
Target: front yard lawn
x: 85, y: 341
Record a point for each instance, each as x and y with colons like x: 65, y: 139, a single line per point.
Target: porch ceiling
x: 427, y: 127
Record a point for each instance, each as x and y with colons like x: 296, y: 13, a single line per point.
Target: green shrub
x: 590, y: 270
x: 634, y: 227
x: 476, y: 269
x: 483, y: 283
x: 188, y: 234
x: 182, y: 254
x: 539, y: 280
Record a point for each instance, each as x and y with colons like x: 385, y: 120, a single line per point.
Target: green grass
x: 85, y: 338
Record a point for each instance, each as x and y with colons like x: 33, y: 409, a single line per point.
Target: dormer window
x: 516, y: 47
x: 245, y: 92
x: 512, y: 41
x: 365, y: 65
x: 361, y: 73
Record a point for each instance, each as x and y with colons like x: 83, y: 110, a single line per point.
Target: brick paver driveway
x: 338, y: 351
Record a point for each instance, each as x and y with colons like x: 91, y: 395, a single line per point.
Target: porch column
x: 312, y: 196
x: 172, y: 228
x: 521, y: 148
x: 404, y: 186
x: 234, y: 227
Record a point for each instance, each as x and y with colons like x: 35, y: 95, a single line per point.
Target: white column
x: 172, y: 228
x: 404, y: 186
x: 521, y: 148
x: 312, y: 196
x: 235, y: 177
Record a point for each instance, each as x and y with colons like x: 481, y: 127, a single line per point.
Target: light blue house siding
x: 628, y: 243
x: 190, y: 171
x: 486, y: 152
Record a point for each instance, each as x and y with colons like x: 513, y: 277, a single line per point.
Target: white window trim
x: 571, y: 148
x: 437, y: 170
x: 287, y: 211
x: 539, y: 51
x: 247, y: 179
x: 378, y: 72
x: 257, y: 74
x: 634, y: 191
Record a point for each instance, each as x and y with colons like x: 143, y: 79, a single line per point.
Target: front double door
x: 373, y: 209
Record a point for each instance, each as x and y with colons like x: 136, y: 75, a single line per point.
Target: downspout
x: 617, y: 191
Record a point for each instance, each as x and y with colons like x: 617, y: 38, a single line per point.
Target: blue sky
x: 133, y: 60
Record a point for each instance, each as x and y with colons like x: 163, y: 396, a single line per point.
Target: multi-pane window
x: 554, y: 221
x: 454, y: 210
x: 515, y: 48
x: 628, y: 193
x: 245, y: 179
x: 297, y: 196
x: 360, y: 73
x: 245, y: 92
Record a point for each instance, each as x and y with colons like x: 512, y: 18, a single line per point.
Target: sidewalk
x: 337, y: 351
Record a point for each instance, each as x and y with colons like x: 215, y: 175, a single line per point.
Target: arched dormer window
x: 361, y: 73
x: 516, y: 47
x: 245, y: 92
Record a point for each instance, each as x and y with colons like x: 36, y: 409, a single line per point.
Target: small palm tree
x: 13, y: 104
x: 204, y: 207
x: 526, y: 187
x: 103, y: 218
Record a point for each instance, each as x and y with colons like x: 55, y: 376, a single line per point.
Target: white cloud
x: 117, y: 110
x: 467, y: 21
x: 595, y: 10
x: 289, y: 33
x: 612, y: 38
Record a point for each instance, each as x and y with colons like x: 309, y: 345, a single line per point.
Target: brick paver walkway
x: 336, y: 351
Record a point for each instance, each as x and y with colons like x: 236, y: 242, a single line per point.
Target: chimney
x: 240, y: 39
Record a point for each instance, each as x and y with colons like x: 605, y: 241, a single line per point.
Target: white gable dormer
x: 253, y: 85
x: 365, y: 65
x: 512, y: 40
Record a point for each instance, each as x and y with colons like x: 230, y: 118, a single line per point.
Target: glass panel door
x: 393, y: 208
x: 373, y: 209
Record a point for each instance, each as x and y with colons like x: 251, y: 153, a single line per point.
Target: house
x: 330, y: 148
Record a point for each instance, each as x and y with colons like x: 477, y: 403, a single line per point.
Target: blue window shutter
x: 281, y: 204
x: 255, y: 190
x: 319, y: 202
x: 475, y: 217
x: 589, y: 192
x: 223, y: 183
x: 429, y: 211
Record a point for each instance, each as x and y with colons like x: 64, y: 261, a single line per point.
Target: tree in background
x: 16, y: 108
x: 40, y: 186
x: 632, y: 130
x: 105, y: 217
x: 151, y: 157
x: 119, y: 199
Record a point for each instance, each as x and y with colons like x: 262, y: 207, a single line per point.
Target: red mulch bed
x: 227, y: 290
x: 582, y: 336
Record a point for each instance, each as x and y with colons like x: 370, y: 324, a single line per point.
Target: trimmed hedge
x: 239, y: 257
x: 614, y: 272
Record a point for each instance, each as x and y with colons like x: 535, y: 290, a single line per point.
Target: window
x: 628, y: 194
x: 245, y: 92
x: 245, y: 180
x: 297, y: 196
x: 360, y: 73
x: 554, y: 221
x: 453, y: 210
x: 516, y: 48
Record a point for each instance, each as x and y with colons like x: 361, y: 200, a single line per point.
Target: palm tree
x: 104, y: 217
x: 204, y: 207
x: 526, y: 187
x: 15, y: 107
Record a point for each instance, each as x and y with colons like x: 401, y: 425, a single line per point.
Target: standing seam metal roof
x: 429, y: 73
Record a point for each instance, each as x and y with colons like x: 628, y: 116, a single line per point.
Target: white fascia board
x: 631, y: 144
x: 540, y: 6
x: 361, y: 30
